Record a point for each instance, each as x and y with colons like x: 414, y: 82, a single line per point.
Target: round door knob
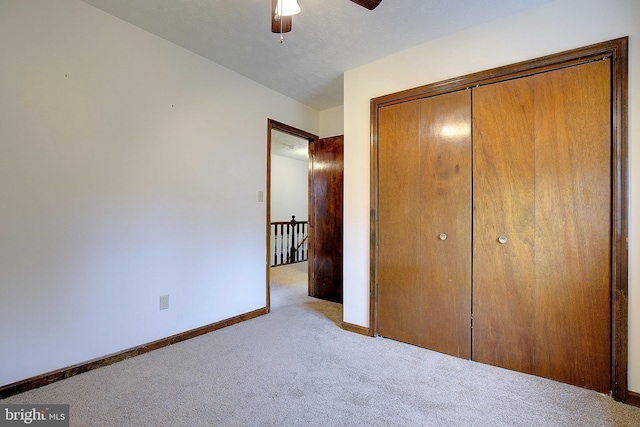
x: 443, y: 236
x: 502, y: 240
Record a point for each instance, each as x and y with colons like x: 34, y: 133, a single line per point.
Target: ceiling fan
x: 282, y: 12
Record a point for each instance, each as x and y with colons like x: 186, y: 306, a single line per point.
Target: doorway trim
x: 617, y: 51
x: 275, y: 125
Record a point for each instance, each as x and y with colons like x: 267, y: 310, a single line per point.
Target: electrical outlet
x: 164, y: 302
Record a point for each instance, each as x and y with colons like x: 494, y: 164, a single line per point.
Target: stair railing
x: 290, y: 241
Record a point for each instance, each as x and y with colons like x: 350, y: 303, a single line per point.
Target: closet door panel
x: 573, y: 225
x: 399, y: 261
x: 503, y: 206
x: 446, y: 223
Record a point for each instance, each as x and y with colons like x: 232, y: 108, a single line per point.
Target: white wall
x: 332, y: 122
x: 557, y: 26
x: 129, y: 169
x: 289, y: 189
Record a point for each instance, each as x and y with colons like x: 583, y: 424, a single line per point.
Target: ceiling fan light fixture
x: 287, y: 8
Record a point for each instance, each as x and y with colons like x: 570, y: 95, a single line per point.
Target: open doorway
x: 288, y: 180
x: 318, y: 240
x: 289, y: 197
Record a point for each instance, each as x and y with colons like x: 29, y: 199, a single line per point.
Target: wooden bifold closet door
x: 494, y: 224
x: 424, y: 214
x: 542, y: 181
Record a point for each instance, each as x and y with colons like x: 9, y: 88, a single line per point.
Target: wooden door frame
x: 275, y: 125
x: 617, y: 51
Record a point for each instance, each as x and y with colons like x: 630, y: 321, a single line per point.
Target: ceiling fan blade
x: 275, y: 24
x: 369, y: 4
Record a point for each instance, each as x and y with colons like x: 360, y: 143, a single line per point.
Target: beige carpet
x: 296, y: 367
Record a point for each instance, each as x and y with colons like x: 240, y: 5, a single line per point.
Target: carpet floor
x: 297, y: 367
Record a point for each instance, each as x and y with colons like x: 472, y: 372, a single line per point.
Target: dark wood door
x: 327, y: 168
x: 424, y: 255
x: 542, y: 180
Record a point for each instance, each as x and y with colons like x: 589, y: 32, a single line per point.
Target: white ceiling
x: 329, y: 37
x: 286, y: 145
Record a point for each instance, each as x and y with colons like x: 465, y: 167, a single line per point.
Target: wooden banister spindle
x: 292, y: 244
